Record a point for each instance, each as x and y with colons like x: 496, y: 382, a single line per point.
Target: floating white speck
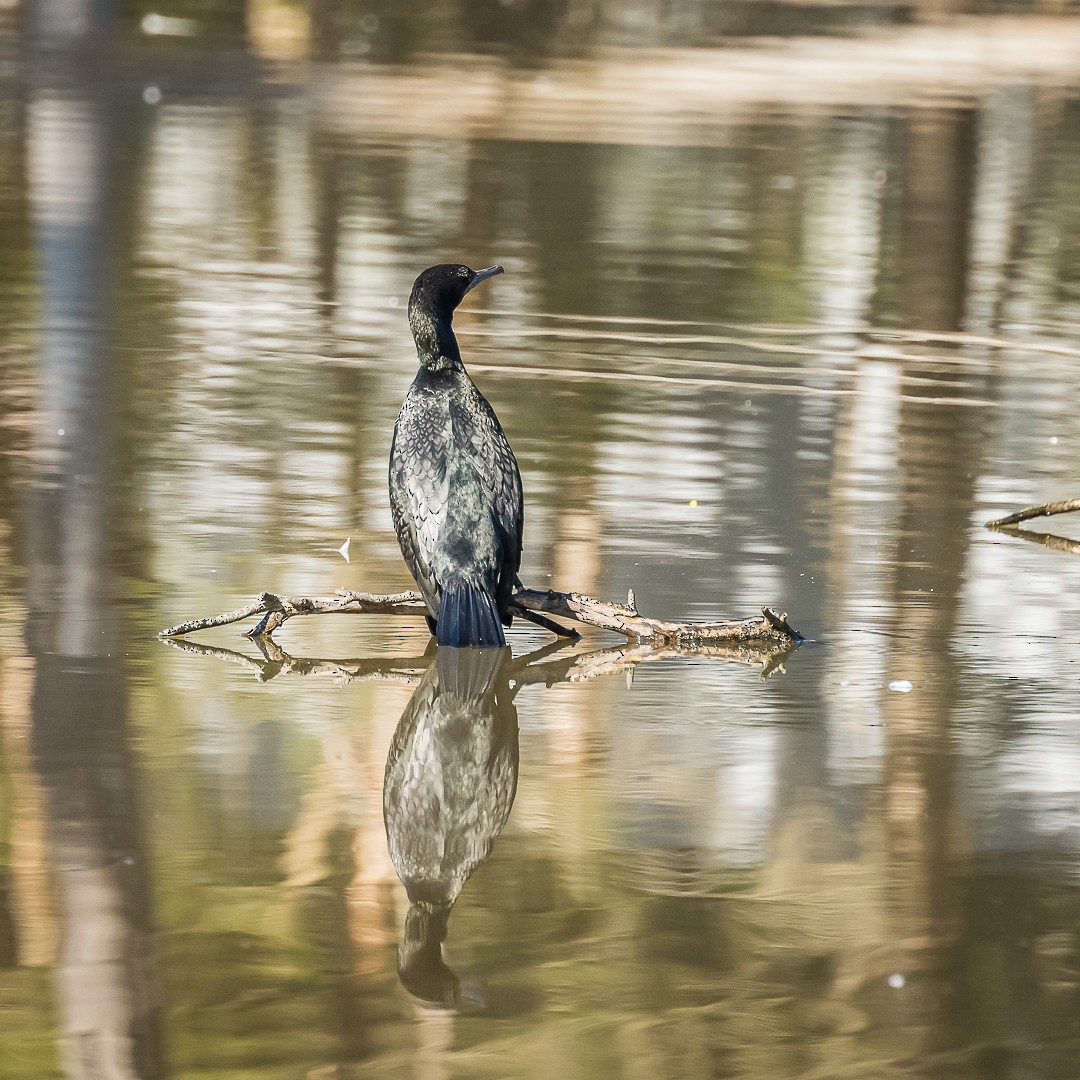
x: 1053, y: 440
x: 901, y: 686
x: 343, y: 551
x: 60, y: 432
x: 151, y: 94
x: 897, y: 981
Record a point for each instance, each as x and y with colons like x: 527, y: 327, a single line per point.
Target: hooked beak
x: 483, y: 275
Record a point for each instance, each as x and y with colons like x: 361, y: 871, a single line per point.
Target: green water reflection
x: 795, y: 359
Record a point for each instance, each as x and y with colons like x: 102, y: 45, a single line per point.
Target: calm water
x: 777, y: 356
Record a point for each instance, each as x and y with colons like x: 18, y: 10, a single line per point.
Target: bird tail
x: 469, y: 618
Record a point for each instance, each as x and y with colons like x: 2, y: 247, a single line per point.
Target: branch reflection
x: 1047, y: 540
x: 566, y: 663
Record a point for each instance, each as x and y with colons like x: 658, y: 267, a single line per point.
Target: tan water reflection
x: 793, y: 360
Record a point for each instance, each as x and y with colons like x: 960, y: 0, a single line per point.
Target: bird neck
x: 436, y: 346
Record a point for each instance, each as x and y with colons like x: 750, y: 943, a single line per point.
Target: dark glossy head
x: 439, y: 289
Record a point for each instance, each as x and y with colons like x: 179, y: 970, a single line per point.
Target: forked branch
x: 529, y: 604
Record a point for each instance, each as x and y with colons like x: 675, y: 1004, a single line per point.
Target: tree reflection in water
x: 108, y: 993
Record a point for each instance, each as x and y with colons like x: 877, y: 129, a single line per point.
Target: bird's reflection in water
x: 451, y: 777
x: 451, y: 774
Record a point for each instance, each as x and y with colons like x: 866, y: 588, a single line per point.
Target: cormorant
x: 455, y: 489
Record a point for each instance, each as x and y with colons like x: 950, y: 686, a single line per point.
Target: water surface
x: 778, y: 356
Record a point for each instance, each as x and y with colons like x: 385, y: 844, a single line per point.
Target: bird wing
x: 478, y: 430
x: 419, y: 487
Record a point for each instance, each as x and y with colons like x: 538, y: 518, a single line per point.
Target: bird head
x: 435, y: 295
x: 439, y: 289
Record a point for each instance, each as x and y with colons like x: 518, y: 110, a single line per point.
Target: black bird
x: 451, y: 777
x: 455, y: 488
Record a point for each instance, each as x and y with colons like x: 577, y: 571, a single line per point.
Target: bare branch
x: 545, y: 623
x: 239, y: 614
x: 280, y: 608
x: 530, y: 604
x: 624, y: 619
x: 1066, y: 506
